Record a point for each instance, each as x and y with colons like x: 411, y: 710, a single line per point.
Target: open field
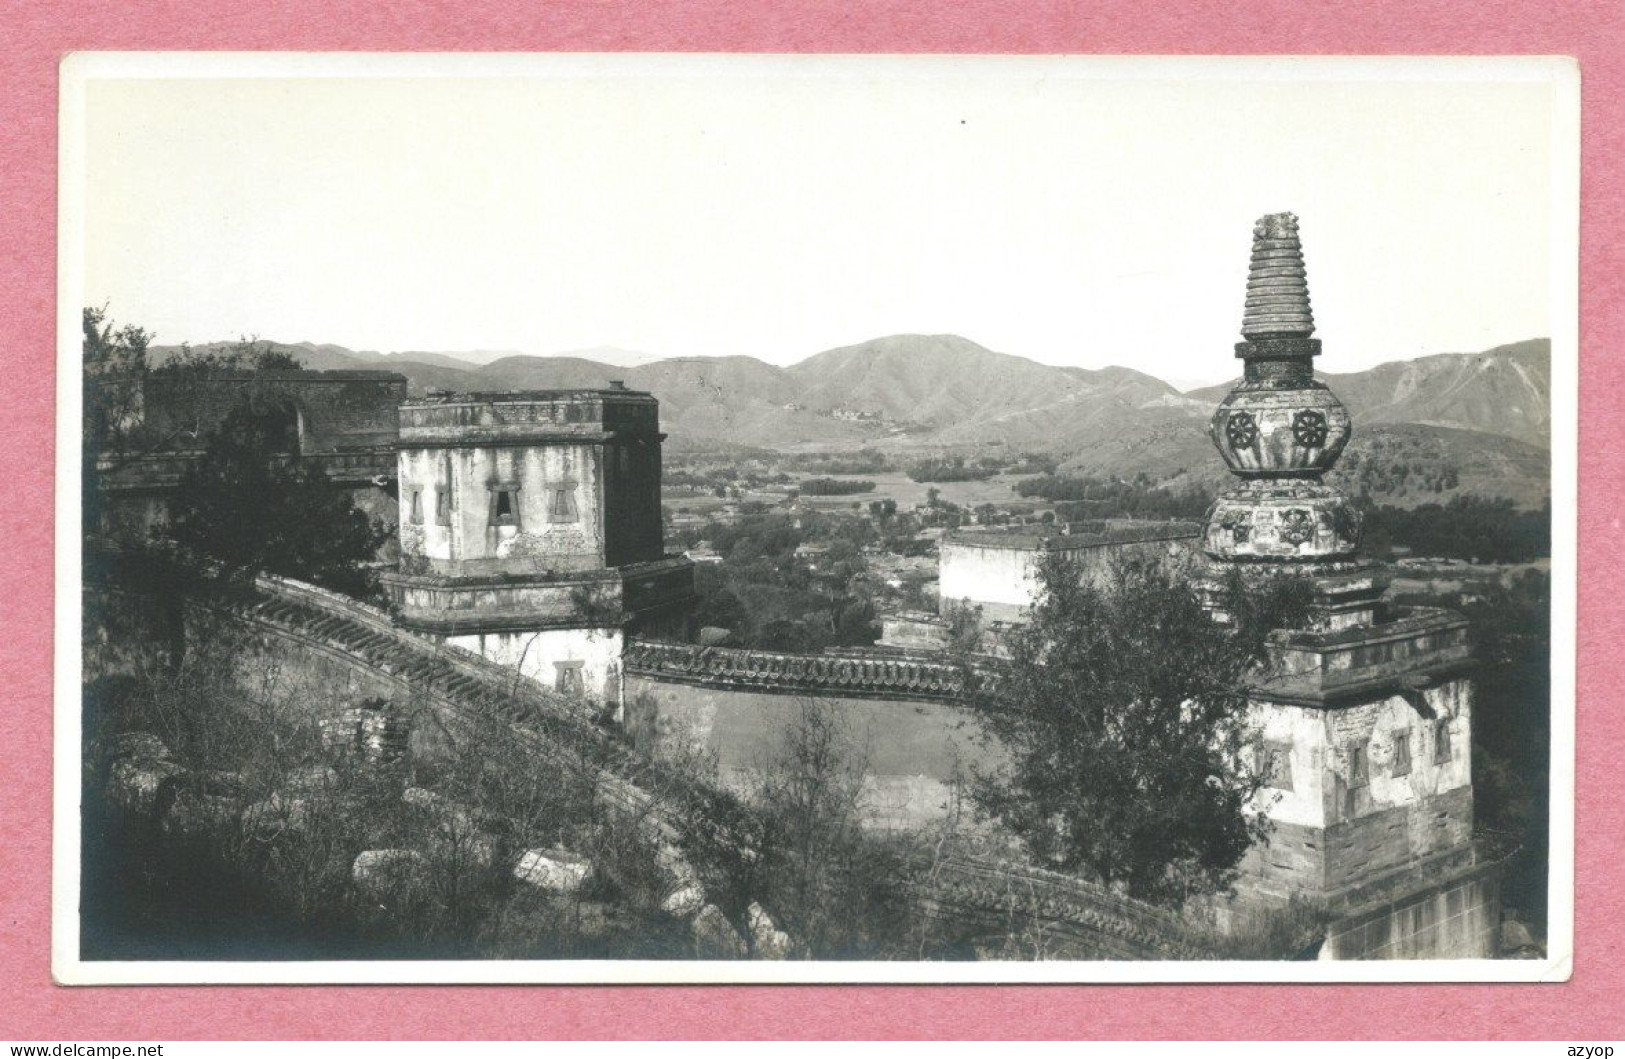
x: 908, y: 493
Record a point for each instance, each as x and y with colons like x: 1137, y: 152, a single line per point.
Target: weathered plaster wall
x: 1002, y: 578
x: 469, y: 543
x: 914, y: 632
x: 548, y: 655
x: 1323, y: 744
x: 916, y: 750
x: 1348, y: 807
x: 986, y: 576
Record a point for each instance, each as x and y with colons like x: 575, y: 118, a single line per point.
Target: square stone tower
x: 530, y: 530
x: 1364, y: 716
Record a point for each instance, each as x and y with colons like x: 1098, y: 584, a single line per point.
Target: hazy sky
x: 1075, y: 214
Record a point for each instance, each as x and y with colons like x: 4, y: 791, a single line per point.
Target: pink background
x: 36, y: 35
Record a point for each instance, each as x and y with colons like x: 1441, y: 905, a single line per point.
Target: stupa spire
x: 1280, y: 430
x: 1277, y: 284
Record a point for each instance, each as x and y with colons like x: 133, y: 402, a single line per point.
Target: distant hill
x: 462, y: 362
x: 613, y: 356
x: 1417, y: 463
x: 1479, y: 420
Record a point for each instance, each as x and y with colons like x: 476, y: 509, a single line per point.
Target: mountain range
x: 1485, y: 415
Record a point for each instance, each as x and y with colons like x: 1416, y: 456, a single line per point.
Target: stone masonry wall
x: 916, y: 749
x: 1358, y: 849
x: 1459, y: 920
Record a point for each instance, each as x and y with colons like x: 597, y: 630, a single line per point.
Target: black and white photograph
x: 657, y: 518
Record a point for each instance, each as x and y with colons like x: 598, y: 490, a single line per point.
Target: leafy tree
x: 786, y: 634
x: 796, y: 843
x: 951, y: 469
x: 1259, y: 605
x: 115, y: 361
x: 245, y: 355
x: 1123, y: 708
x: 837, y: 890
x: 721, y: 608
x: 855, y: 623
x: 245, y: 503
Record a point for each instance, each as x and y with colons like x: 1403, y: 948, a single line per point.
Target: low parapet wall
x: 1062, y: 918
x: 1422, y: 646
x: 856, y: 675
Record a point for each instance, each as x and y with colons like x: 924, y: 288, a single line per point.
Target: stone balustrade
x: 858, y: 675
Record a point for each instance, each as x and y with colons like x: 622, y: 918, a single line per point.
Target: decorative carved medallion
x: 1309, y: 428
x: 1241, y: 429
x: 1297, y: 526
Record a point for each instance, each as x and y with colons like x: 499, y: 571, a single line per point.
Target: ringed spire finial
x: 1277, y: 284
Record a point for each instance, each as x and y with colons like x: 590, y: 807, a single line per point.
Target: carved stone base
x: 1293, y: 521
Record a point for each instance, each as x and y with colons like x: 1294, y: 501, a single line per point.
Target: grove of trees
x: 771, y: 597
x: 1084, y: 496
x: 834, y: 487
x: 1475, y: 528
x: 954, y: 469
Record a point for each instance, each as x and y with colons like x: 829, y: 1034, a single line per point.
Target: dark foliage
x: 1260, y: 605
x: 253, y: 508
x: 864, y: 461
x: 799, y: 848
x: 774, y: 598
x: 834, y: 487
x: 953, y: 469
x: 1475, y: 528
x: 1088, y: 497
x: 247, y: 355
x: 115, y: 359
x: 1512, y: 727
x: 1123, y: 708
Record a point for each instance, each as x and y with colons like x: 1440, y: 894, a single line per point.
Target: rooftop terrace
x: 522, y: 416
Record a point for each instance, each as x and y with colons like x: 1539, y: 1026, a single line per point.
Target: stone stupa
x: 1279, y: 431
x: 1364, y: 714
